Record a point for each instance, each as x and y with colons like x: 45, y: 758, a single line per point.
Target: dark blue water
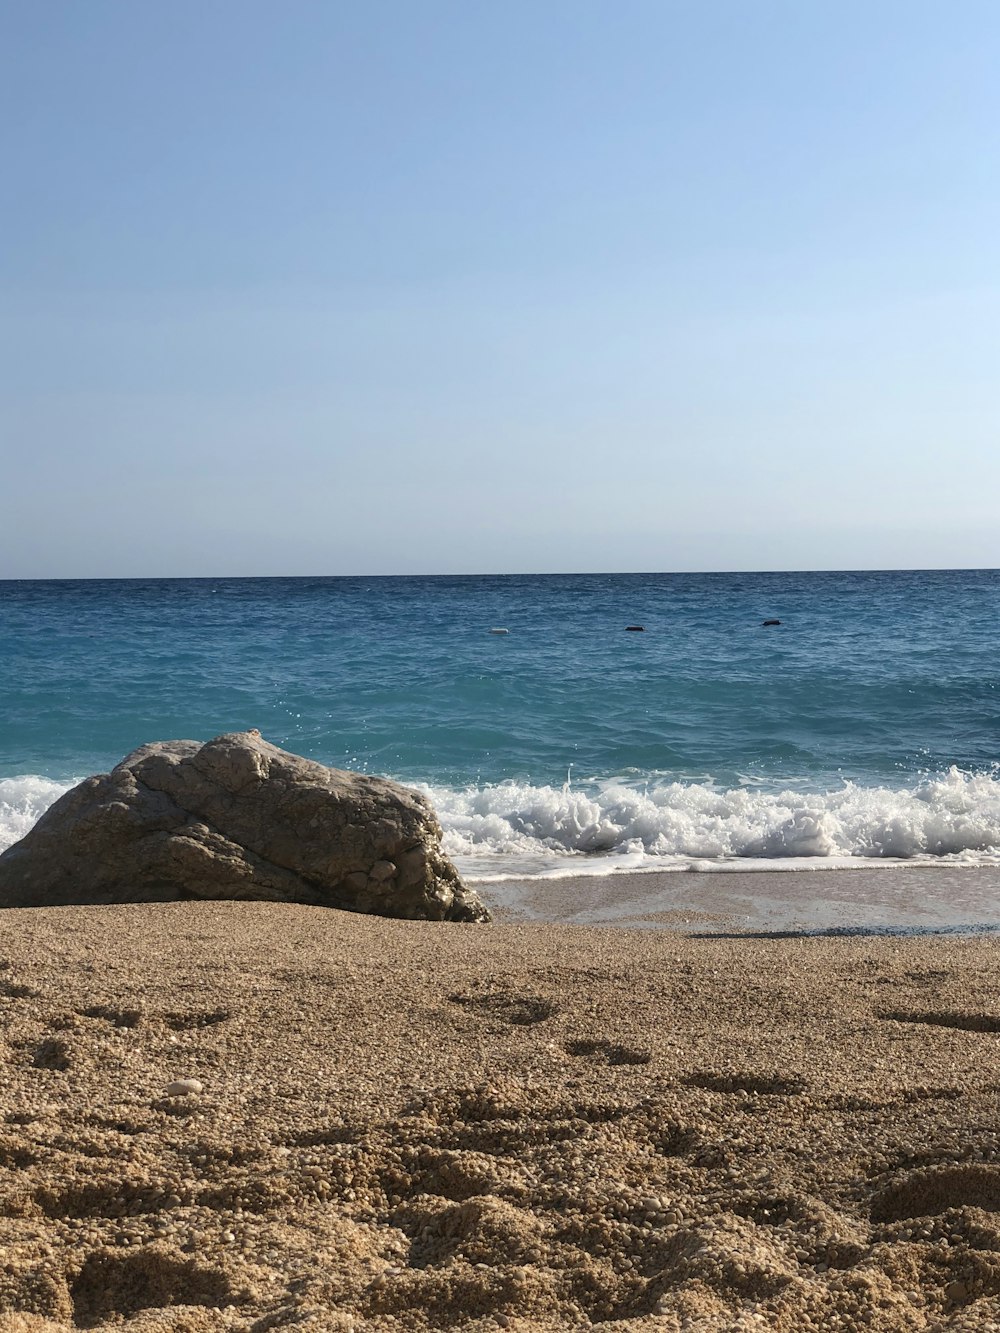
x: 687, y: 740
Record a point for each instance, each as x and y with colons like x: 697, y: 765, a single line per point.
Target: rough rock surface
x: 238, y: 818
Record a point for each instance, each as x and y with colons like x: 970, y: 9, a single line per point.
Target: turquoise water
x: 865, y: 724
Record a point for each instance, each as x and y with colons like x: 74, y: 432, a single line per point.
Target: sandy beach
x: 520, y: 1126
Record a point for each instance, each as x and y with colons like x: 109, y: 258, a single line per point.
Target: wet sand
x: 522, y: 1126
x: 895, y: 898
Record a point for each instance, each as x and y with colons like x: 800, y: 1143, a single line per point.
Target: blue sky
x: 452, y: 286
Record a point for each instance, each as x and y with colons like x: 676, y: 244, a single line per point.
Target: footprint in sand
x: 192, y: 1021
x: 767, y: 1085
x: 53, y: 1053
x: 931, y: 1190
x: 517, y: 1010
x: 109, y: 1286
x: 15, y: 990
x: 963, y: 1020
x: 608, y: 1052
x: 119, y: 1018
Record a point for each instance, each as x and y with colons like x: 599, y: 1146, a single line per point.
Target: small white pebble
x: 182, y: 1087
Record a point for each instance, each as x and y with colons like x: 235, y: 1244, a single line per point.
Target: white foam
x: 22, y: 800
x: 516, y: 829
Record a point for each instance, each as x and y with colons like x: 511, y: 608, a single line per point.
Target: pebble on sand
x: 182, y: 1087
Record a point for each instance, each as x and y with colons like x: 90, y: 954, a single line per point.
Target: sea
x: 560, y: 724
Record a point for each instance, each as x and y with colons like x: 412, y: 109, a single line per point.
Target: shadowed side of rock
x: 238, y: 818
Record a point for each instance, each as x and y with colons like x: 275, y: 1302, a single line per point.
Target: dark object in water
x: 770, y: 622
x: 636, y: 629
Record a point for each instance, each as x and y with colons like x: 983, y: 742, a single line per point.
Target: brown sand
x: 414, y: 1126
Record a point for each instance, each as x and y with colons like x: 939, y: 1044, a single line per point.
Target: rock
x: 183, y: 1087
x: 238, y: 818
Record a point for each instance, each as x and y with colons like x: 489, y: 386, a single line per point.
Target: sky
x: 457, y: 286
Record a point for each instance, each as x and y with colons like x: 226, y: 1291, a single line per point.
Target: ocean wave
x: 519, y: 829
x: 673, y: 824
x: 22, y: 800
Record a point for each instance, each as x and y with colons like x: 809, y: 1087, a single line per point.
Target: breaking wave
x: 22, y: 800
x: 517, y: 830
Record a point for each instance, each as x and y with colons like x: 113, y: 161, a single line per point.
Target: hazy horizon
x: 498, y: 574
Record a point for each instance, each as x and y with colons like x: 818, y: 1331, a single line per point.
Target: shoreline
x: 901, y: 898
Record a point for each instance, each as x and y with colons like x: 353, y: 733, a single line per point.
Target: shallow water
x: 924, y: 898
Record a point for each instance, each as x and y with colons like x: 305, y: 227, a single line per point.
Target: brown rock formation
x: 238, y: 818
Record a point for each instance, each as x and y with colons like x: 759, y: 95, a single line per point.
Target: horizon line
x: 523, y: 574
